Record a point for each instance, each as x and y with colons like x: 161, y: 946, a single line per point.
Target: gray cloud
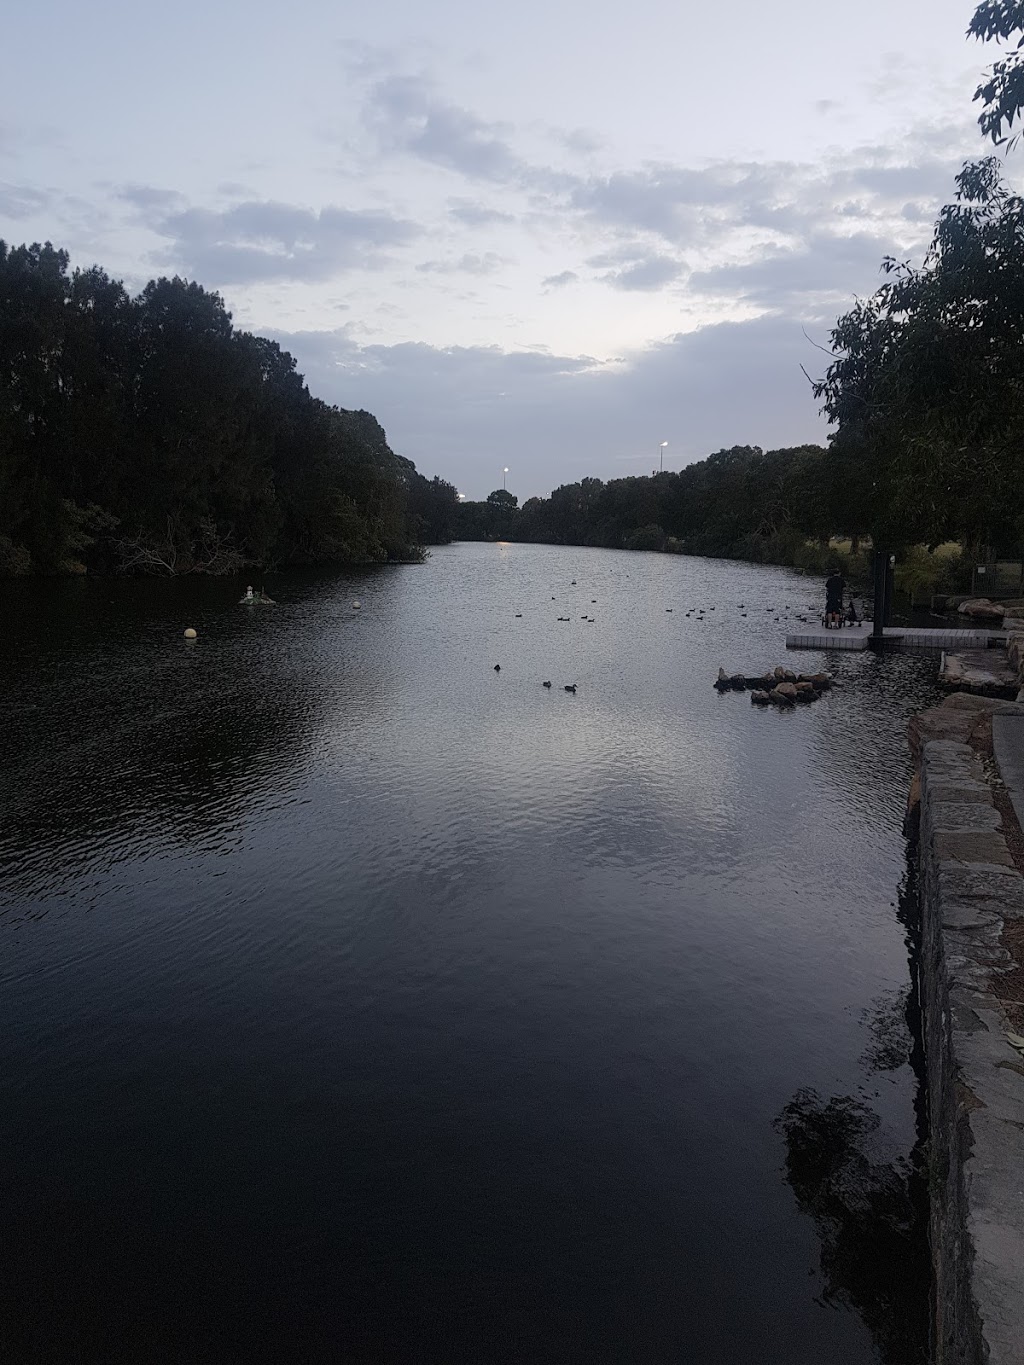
x: 824, y: 268
x: 150, y: 198
x: 651, y: 273
x: 257, y: 241
x: 464, y: 412
x: 477, y: 215
x: 22, y: 201
x: 407, y: 116
x: 468, y: 264
x: 558, y: 281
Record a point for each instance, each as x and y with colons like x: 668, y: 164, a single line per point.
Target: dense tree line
x: 148, y: 434
x: 743, y: 503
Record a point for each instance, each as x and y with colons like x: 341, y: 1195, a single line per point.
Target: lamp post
x: 661, y: 457
x: 504, y: 477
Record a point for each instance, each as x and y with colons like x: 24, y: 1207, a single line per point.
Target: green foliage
x: 928, y: 378
x: 1002, y: 93
x: 741, y: 502
x: 148, y: 435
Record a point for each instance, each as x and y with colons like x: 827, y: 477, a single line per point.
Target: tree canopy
x: 148, y: 434
x: 927, y: 382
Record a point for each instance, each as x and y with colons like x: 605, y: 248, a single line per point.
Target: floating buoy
x: 356, y: 605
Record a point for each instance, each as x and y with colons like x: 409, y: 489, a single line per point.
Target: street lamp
x: 661, y: 457
x: 504, y: 476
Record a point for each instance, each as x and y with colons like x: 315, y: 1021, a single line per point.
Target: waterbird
x: 497, y: 668
x: 669, y: 609
x: 545, y: 684
x: 519, y: 615
x: 570, y: 687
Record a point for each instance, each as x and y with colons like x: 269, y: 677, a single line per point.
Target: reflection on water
x: 868, y: 1214
x: 361, y: 1002
x: 870, y: 1205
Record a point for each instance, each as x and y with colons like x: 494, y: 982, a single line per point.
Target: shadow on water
x: 871, y: 1212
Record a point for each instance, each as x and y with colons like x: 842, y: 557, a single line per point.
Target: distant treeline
x: 149, y: 435
x: 743, y: 503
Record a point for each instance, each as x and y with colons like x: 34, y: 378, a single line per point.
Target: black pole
x: 881, y: 564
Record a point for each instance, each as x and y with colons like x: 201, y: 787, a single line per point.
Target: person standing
x: 834, y: 589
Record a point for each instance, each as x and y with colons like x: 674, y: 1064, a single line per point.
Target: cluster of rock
x: 778, y: 687
x: 982, y: 609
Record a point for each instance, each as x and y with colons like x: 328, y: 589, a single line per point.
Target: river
x: 363, y: 1002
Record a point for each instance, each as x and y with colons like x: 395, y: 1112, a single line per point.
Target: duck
x: 570, y: 687
x: 497, y: 668
x: 545, y: 684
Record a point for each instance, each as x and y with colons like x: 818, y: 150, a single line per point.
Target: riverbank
x: 971, y: 854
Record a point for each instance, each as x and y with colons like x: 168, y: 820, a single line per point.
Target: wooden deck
x: 898, y: 637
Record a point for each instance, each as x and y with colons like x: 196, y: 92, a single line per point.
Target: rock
x: 956, y: 719
x: 805, y: 691
x: 981, y: 609
x: 722, y: 675
x: 738, y: 682
x: 783, y: 695
x: 789, y: 675
x: 779, y: 674
x: 760, y: 697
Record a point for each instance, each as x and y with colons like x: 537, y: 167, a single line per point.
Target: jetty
x: 864, y: 636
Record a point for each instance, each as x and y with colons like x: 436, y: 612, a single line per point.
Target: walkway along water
x: 969, y: 795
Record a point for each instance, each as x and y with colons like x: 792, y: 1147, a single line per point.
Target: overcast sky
x: 549, y: 235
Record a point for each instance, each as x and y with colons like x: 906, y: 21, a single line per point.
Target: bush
x: 645, y: 538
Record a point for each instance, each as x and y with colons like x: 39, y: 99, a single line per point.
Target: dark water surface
x: 362, y: 1003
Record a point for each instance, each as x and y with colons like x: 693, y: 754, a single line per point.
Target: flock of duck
x: 696, y: 613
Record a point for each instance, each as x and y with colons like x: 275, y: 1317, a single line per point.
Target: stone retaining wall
x: 970, y: 892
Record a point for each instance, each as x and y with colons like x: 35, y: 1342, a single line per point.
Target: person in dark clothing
x: 834, y: 589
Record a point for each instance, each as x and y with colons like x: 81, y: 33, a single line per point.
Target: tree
x: 148, y: 435
x: 503, y: 499
x: 1002, y: 94
x: 928, y: 379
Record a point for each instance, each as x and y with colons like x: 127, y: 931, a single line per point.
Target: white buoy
x: 356, y: 605
x: 190, y: 634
